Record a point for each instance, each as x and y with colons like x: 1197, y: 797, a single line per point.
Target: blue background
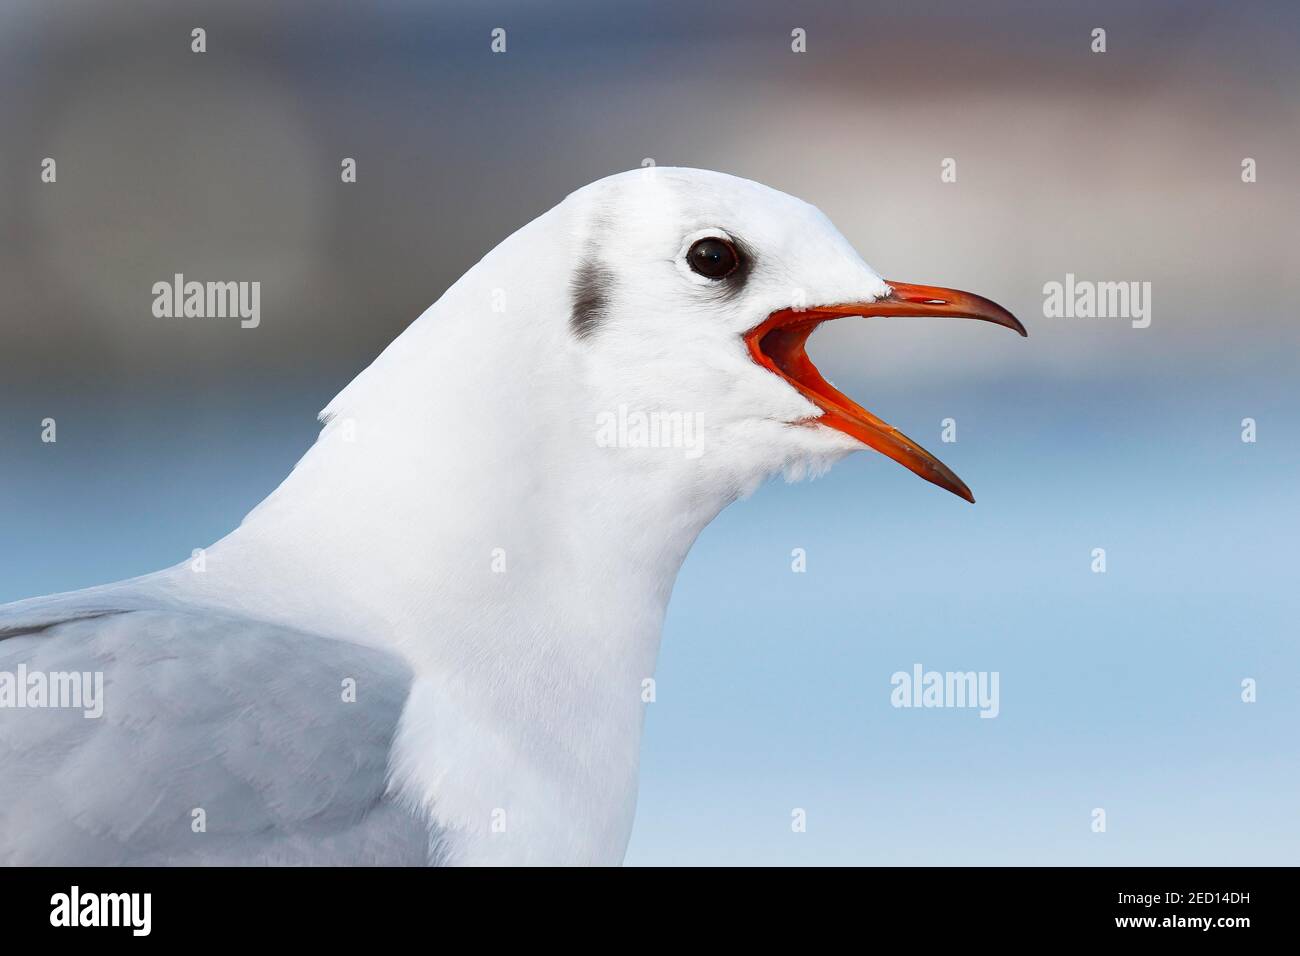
x: 1118, y: 690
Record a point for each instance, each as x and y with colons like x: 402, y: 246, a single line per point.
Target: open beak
x: 778, y: 344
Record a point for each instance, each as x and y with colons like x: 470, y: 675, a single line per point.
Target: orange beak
x: 778, y: 344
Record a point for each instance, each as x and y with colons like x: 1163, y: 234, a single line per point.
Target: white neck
x: 480, y: 532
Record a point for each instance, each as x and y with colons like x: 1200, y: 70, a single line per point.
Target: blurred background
x: 1119, y: 691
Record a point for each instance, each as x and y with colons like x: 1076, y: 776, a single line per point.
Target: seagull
x: 428, y: 646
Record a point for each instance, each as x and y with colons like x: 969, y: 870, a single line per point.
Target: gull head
x: 694, y: 293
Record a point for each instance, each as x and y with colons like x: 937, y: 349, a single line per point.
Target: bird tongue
x: 778, y: 344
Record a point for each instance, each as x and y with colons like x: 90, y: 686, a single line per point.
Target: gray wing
x: 235, y: 723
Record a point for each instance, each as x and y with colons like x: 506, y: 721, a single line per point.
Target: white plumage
x: 457, y: 542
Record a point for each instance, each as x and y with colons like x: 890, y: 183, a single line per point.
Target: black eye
x: 713, y: 258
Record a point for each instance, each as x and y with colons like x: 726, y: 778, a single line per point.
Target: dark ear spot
x: 590, y: 289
